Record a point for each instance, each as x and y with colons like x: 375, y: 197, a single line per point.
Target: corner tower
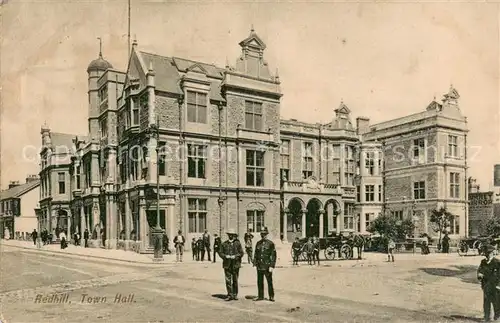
x: 95, y: 70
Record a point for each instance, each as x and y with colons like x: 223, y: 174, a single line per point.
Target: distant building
x: 425, y: 156
x: 483, y: 205
x: 17, y: 208
x: 55, y: 192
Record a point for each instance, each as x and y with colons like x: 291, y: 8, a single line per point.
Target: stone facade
x: 207, y: 144
x: 425, y: 156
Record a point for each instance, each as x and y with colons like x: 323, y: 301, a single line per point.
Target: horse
x: 358, y: 242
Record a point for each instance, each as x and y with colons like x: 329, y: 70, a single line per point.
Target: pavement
x: 284, y: 258
x: 415, y: 288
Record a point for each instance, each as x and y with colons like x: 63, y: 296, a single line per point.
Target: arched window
x: 255, y: 217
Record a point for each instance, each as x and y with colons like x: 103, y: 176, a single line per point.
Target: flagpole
x: 128, y: 34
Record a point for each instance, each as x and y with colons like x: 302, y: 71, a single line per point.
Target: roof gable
x: 253, y: 41
x: 19, y: 190
x: 197, y: 68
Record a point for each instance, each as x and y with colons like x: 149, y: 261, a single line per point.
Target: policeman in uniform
x: 265, y: 261
x: 488, y: 273
x: 231, y: 253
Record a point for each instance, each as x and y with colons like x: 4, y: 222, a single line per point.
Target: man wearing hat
x: 231, y: 253
x: 488, y: 273
x: 265, y: 261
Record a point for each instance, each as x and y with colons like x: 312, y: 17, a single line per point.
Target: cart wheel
x: 345, y: 251
x: 463, y: 248
x: 330, y: 253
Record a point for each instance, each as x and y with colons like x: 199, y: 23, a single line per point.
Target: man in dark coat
x: 86, y: 238
x: 231, y: 253
x: 265, y: 261
x: 489, y: 273
x: 34, y: 235
x: 206, y: 246
x: 217, y: 244
x: 445, y: 245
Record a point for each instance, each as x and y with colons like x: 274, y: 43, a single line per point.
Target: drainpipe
x: 181, y: 164
x: 220, y: 200
x: 466, y: 200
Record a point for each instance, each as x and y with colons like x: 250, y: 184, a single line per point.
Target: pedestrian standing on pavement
x: 265, y: 261
x: 62, y: 237
x: 391, y: 245
x: 489, y: 273
x: 296, y: 250
x: 206, y: 246
x: 445, y: 245
x: 231, y: 253
x: 316, y: 250
x: 179, y: 245
x: 34, y: 236
x: 86, y: 238
x: 201, y: 250
x: 309, y: 249
x: 249, y: 245
x: 217, y: 244
x: 194, y: 248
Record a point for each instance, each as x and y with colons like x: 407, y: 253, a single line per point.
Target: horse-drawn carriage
x: 336, y: 246
x: 475, y: 245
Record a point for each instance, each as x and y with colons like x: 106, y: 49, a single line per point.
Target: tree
x: 492, y: 226
x: 389, y: 226
x: 441, y: 219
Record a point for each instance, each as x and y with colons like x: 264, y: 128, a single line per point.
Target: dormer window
x: 197, y: 107
x: 253, y: 115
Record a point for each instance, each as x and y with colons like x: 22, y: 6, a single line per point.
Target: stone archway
x: 332, y: 215
x: 314, y: 218
x: 292, y: 219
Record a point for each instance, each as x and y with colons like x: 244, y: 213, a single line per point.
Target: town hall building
x: 224, y: 158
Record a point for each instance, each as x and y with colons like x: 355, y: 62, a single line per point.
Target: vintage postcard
x: 249, y: 161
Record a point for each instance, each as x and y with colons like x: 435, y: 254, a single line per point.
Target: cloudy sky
x: 384, y: 60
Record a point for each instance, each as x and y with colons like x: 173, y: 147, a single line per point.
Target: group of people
x: 201, y: 246
x: 264, y: 259
x: 231, y: 252
x: 311, y: 247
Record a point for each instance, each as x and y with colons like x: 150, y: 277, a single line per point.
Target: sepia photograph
x: 249, y: 161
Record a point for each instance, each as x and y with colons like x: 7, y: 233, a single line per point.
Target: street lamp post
x: 158, y: 231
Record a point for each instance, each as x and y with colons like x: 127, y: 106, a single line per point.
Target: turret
x: 96, y: 68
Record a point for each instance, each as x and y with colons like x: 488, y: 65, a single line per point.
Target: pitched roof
x: 19, y: 190
x: 169, y: 70
x: 61, y: 139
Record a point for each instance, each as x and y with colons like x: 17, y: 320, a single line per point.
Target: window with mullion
x: 285, y: 159
x: 419, y: 190
x: 197, y: 215
x: 452, y: 146
x: 255, y: 220
x: 370, y: 162
x: 197, y: 158
x: 454, y: 185
x: 197, y: 107
x: 255, y: 168
x: 369, y: 193
x: 253, y: 115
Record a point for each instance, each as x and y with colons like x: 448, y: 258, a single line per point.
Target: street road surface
x: 188, y: 293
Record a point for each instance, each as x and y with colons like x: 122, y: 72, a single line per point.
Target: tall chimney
x: 31, y: 178
x: 13, y: 184
x: 362, y: 125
